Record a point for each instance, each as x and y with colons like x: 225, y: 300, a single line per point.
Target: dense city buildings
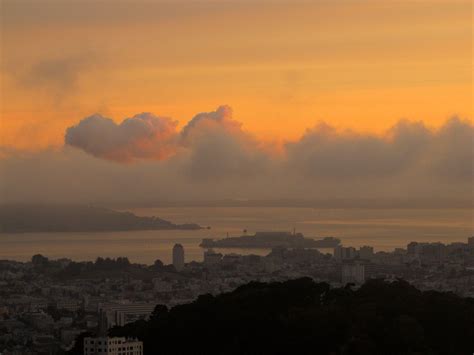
x: 211, y: 257
x: 46, y: 304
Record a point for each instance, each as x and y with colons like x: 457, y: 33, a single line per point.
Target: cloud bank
x: 213, y: 157
x: 213, y: 143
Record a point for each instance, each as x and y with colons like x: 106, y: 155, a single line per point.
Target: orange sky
x: 281, y: 65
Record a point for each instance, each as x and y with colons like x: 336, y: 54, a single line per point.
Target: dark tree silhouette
x: 304, y: 317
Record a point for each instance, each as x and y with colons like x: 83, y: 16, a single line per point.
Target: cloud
x: 215, y: 145
x: 59, y: 76
x: 143, y: 136
x: 213, y: 157
x: 408, y: 148
x: 220, y: 120
x: 450, y: 153
x: 211, y: 145
x: 325, y: 152
x: 218, y: 147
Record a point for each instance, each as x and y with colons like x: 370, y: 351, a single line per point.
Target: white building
x: 178, y: 257
x: 112, y: 346
x: 353, y: 273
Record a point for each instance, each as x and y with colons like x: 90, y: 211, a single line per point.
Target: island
x: 78, y: 218
x: 266, y: 240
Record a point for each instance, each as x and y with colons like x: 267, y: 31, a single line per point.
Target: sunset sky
x: 283, y: 67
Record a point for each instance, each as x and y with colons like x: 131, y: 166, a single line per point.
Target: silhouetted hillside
x: 304, y: 317
x: 77, y: 218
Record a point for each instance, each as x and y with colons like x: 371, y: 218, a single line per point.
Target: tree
x: 304, y: 317
x: 78, y: 348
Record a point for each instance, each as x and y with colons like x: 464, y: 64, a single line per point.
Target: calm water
x: 385, y: 229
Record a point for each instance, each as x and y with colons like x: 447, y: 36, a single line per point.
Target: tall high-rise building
x: 178, y: 257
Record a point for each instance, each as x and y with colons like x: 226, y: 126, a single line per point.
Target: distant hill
x: 304, y: 317
x: 77, y: 218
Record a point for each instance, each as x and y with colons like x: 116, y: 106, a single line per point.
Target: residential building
x: 112, y: 346
x: 120, y: 314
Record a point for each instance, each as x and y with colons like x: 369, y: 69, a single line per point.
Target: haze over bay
x: 385, y: 229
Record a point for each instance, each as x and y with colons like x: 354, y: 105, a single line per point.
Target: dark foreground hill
x: 77, y: 218
x: 304, y: 317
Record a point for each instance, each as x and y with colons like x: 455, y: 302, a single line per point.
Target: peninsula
x: 78, y: 218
